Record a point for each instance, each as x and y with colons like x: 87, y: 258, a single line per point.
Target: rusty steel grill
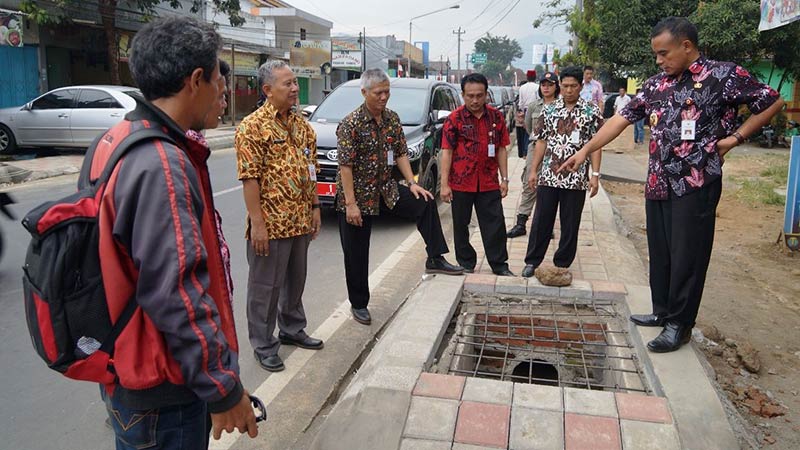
x: 554, y: 342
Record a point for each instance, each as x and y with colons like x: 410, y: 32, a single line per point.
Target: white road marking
x: 227, y: 191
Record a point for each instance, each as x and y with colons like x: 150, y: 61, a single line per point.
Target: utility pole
x: 233, y: 78
x: 467, y: 62
x: 362, y: 41
x: 459, y: 33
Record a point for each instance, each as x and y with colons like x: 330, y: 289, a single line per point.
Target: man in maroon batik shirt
x: 474, y: 144
x: 692, y: 108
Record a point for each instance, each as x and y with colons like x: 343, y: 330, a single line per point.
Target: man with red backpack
x: 176, y: 361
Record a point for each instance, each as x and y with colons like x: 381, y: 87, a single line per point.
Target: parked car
x: 65, y: 117
x: 608, y: 103
x: 423, y: 106
x: 501, y: 100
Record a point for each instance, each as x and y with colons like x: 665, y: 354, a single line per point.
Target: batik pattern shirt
x: 708, y: 92
x: 556, y: 126
x: 282, y: 157
x: 592, y: 92
x: 364, y: 146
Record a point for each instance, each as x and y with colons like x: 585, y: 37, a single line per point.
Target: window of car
x: 453, y: 97
x: 441, y: 100
x: 96, y: 99
x: 62, y: 99
x: 408, y: 103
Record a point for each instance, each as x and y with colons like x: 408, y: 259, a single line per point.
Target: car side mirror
x: 441, y: 116
x: 308, y: 111
x: 28, y: 106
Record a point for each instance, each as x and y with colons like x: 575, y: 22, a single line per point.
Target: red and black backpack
x: 65, y: 304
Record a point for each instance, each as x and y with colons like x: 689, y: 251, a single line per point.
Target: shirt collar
x: 367, y: 116
x: 694, y: 68
x: 469, y: 113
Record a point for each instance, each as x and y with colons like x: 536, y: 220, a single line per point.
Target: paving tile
x: 511, y: 285
x: 533, y: 429
x: 643, y: 407
x: 595, y: 276
x: 608, y: 290
x: 480, y: 282
x: 584, y: 401
x: 431, y: 418
x: 578, y: 289
x: 483, y: 424
x: 649, y: 436
x: 423, y: 444
x: 488, y: 391
x: 394, y: 377
x: 439, y: 385
x: 590, y: 432
x: 588, y: 260
x: 457, y: 446
x: 586, y: 267
x: 534, y: 396
x: 535, y: 287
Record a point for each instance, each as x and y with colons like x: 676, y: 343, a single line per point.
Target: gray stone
x: 581, y: 289
x: 488, y: 391
x: 511, y: 285
x: 648, y: 436
x: 423, y: 444
x: 536, y: 430
x: 553, y: 276
x: 432, y: 418
x: 396, y: 378
x: 593, y: 403
x: 535, y: 396
x: 535, y: 287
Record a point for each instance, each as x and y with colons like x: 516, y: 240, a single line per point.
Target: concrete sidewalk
x: 397, y: 401
x: 26, y: 170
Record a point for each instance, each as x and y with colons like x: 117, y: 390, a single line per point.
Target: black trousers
x: 570, y: 204
x: 355, y: 240
x: 492, y: 223
x: 680, y: 236
x: 522, y: 142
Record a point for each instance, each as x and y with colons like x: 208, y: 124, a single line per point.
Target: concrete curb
x: 10, y: 174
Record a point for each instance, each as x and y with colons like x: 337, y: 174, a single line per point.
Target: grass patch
x: 778, y: 174
x: 759, y: 191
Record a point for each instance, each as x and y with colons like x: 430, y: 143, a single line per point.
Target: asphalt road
x: 41, y: 410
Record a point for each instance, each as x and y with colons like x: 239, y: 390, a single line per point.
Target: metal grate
x: 553, y: 341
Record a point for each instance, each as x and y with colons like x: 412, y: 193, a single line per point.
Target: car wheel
x: 7, y: 142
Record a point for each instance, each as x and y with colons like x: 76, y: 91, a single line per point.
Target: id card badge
x: 491, y: 151
x: 575, y: 137
x: 390, y: 157
x: 687, y: 130
x: 312, y: 172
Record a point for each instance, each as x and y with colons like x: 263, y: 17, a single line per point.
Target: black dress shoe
x: 527, y: 272
x: 440, y: 265
x: 504, y: 273
x: 362, y: 315
x: 648, y: 320
x: 272, y: 363
x: 672, y: 337
x: 306, y: 342
x: 516, y: 231
x: 468, y: 270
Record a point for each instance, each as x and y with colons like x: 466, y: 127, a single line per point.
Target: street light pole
x: 408, y: 73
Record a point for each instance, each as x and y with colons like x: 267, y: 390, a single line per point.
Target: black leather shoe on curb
x: 648, y: 320
x: 307, y: 342
x: 361, y: 315
x: 440, y: 265
x: 272, y: 363
x: 672, y: 337
x: 527, y: 272
x: 504, y: 273
x: 469, y: 270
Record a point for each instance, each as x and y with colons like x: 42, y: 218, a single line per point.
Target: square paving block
x: 584, y: 401
x: 649, y: 436
x: 578, y: 289
x: 480, y: 282
x: 533, y: 429
x: 643, y: 407
x: 483, y: 424
x: 423, y: 444
x: 591, y: 432
x: 536, y: 396
x: 431, y: 418
x: 488, y: 391
x: 457, y: 446
x: 438, y: 385
x: 511, y: 285
x: 395, y: 378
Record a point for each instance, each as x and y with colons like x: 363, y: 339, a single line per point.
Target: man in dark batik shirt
x: 692, y: 108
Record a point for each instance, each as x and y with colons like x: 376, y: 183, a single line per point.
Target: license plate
x: 326, y: 189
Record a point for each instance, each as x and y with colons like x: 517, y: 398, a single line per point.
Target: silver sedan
x: 65, y: 117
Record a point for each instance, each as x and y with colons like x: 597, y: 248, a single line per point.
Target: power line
x: 501, y: 19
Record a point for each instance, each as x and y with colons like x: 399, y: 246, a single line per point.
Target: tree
x: 500, y: 51
x: 64, y: 11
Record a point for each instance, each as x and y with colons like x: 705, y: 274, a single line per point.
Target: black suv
x: 423, y: 106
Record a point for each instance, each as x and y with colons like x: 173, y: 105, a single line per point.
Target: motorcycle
x: 5, y: 200
x: 767, y: 136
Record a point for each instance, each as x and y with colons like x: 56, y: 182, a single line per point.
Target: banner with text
x: 307, y: 57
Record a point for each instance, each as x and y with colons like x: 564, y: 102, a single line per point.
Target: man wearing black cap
x: 528, y: 93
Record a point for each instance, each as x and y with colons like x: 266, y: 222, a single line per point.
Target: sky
x: 513, y: 18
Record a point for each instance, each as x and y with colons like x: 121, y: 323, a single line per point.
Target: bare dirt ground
x: 750, y: 315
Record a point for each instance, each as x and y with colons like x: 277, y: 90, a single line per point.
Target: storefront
x: 244, y: 83
x: 19, y: 58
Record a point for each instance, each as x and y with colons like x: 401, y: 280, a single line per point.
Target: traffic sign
x: 478, y: 58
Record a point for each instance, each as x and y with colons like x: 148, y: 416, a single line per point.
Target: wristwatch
x: 411, y: 182
x: 505, y: 179
x: 596, y: 174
